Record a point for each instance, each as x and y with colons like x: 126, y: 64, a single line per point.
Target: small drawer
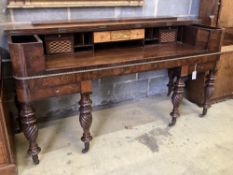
x: 120, y: 35
x: 137, y: 34
x: 101, y: 37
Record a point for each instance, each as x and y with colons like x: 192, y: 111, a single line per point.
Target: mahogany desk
x: 55, y: 59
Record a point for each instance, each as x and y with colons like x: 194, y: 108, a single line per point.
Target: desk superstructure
x: 55, y: 59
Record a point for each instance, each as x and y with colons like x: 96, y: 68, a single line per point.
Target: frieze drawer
x: 101, y: 37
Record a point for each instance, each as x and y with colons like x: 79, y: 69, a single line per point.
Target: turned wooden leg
x: 85, y: 119
x: 170, y: 85
x: 209, y: 90
x: 30, y: 129
x: 177, y: 99
x: 86, y: 114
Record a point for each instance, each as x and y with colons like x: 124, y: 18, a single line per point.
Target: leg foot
x: 173, y: 122
x: 86, y: 147
x: 35, y: 159
x: 204, y: 112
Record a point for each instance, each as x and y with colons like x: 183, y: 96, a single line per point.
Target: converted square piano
x: 55, y: 59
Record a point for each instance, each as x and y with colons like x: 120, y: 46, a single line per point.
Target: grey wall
x: 107, y: 90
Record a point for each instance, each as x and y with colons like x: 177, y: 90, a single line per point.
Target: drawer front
x: 59, y: 44
x: 101, y: 37
x: 137, y: 34
x: 48, y: 87
x: 54, y: 81
x: 42, y: 93
x: 120, y: 35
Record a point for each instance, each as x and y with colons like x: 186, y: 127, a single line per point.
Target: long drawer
x: 119, y: 35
